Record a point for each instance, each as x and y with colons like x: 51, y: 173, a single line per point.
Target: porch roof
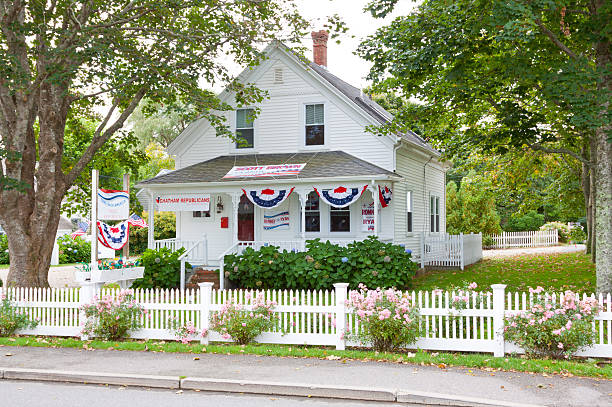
x: 321, y: 164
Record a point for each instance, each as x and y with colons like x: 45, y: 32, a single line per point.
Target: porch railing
x: 196, y: 250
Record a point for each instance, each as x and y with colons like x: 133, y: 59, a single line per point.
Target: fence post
x: 499, y: 311
x: 205, y: 301
x: 462, y: 248
x: 87, y: 292
x: 341, y: 294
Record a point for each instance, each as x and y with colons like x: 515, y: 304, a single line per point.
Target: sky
x: 341, y: 59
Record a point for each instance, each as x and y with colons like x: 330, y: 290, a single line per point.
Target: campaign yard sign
x: 276, y: 221
x: 113, y: 205
x: 257, y: 171
x: 183, y: 202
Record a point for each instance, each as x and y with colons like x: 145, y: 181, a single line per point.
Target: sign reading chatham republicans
x: 113, y: 205
x: 256, y: 171
x: 183, y: 202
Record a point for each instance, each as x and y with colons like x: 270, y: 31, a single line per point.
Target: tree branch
x: 539, y: 147
x: 555, y: 40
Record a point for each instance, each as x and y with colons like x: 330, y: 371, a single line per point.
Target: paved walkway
x: 496, y: 385
x: 497, y: 253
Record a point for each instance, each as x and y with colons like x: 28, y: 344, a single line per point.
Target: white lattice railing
x: 444, y: 250
x: 197, y: 249
x: 307, y: 317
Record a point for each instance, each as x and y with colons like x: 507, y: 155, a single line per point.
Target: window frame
x: 304, y: 124
x: 409, y: 213
x: 236, y: 129
x: 333, y: 210
x: 318, y: 211
x: 434, y: 213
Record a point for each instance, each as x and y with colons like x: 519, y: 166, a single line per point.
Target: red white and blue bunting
x: 340, y: 197
x: 113, y: 237
x: 384, y: 195
x: 268, y: 198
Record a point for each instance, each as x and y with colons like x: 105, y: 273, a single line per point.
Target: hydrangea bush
x: 112, y: 317
x: 244, y: 323
x: 386, y: 318
x: 12, y: 319
x: 553, y: 330
x: 73, y: 250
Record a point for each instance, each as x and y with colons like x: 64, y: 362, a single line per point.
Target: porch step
x: 202, y: 275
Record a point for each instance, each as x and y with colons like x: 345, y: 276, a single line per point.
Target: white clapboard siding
x: 532, y: 238
x: 310, y: 317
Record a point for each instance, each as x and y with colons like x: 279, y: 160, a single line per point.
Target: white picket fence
x: 532, y: 238
x: 306, y: 317
x: 444, y: 250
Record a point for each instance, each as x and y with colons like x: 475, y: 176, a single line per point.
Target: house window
x: 434, y: 213
x: 339, y: 219
x: 315, y: 125
x: 409, y: 211
x: 313, y: 213
x: 244, y: 128
x: 201, y: 214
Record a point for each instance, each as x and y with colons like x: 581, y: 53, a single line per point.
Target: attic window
x: 278, y: 75
x: 315, y: 125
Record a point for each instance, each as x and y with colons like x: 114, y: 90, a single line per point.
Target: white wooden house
x: 315, y: 126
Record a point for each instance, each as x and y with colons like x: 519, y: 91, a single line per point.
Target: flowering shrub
x: 461, y: 298
x: 184, y: 332
x: 386, y: 317
x: 73, y: 251
x: 11, y: 319
x: 553, y: 330
x: 243, y: 324
x: 112, y: 317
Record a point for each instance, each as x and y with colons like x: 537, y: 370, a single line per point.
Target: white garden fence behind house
x: 444, y: 250
x: 532, y: 238
x: 306, y: 317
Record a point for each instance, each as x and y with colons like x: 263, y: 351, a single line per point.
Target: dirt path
x: 489, y: 254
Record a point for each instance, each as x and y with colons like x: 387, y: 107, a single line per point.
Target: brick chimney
x: 319, y: 47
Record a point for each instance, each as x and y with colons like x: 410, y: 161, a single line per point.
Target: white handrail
x: 232, y: 248
x: 183, y: 260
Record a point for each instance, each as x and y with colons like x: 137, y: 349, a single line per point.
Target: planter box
x: 110, y: 276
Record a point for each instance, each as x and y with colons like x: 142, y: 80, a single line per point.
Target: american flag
x: 136, y: 220
x: 81, y: 231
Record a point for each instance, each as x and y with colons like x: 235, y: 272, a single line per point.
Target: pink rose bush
x: 553, y: 329
x: 13, y: 319
x: 184, y: 332
x: 386, y: 318
x: 243, y: 323
x: 113, y: 316
x: 461, y: 297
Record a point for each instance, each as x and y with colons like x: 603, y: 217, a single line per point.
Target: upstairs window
x: 244, y: 128
x: 434, y: 213
x: 409, y: 211
x: 315, y: 125
x: 313, y: 213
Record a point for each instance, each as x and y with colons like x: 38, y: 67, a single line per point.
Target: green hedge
x: 4, y: 252
x: 371, y: 262
x: 162, y: 269
x: 165, y: 228
x: 73, y: 251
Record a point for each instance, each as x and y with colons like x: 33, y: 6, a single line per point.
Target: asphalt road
x: 35, y: 394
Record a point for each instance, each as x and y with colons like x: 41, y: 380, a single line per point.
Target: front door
x: 246, y: 219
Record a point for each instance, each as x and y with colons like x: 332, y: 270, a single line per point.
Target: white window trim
x: 303, y: 124
x: 409, y: 203
x: 336, y: 233
x: 245, y: 150
x: 436, y: 212
x: 213, y: 211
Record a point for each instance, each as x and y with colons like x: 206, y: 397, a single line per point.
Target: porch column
x: 303, y: 195
x: 374, y: 189
x: 235, y: 203
x: 151, y: 231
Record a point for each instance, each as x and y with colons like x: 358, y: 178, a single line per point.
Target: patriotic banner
x: 367, y: 218
x: 113, y: 205
x: 268, y: 198
x: 340, y: 197
x: 113, y: 237
x: 278, y: 221
x: 135, y: 220
x: 81, y: 231
x: 256, y: 171
x: 183, y: 202
x: 384, y: 196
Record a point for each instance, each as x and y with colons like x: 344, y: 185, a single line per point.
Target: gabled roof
x: 325, y: 164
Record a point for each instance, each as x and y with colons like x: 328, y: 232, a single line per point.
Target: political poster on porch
x: 367, y: 217
x: 256, y: 171
x: 277, y: 221
x: 113, y: 205
x: 183, y: 202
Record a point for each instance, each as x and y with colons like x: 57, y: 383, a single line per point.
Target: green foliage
x: 244, y: 324
x: 165, y: 228
x: 323, y: 264
x: 157, y: 160
x: 4, y: 251
x: 551, y: 329
x: 73, y: 251
x: 12, y: 319
x: 471, y: 208
x: 562, y: 228
x: 162, y: 269
x: 527, y: 222
x: 158, y: 123
x: 113, y: 316
x: 577, y: 235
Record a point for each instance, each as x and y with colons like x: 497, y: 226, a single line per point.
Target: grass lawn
x: 560, y: 271
x: 579, y: 367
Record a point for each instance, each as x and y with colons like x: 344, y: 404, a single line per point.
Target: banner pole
x: 94, y: 222
x: 126, y: 187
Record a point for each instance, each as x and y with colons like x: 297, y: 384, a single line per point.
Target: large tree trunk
x: 585, y: 178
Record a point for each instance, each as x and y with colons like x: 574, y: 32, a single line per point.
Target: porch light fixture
x: 219, y: 204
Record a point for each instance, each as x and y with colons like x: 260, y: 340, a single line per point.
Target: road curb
x: 119, y: 379
x: 439, y: 399
x: 287, y: 389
